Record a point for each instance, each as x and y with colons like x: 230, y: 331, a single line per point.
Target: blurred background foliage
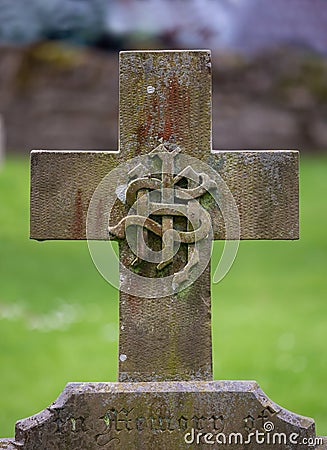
x: 246, y: 25
x: 59, y: 89
x: 59, y: 68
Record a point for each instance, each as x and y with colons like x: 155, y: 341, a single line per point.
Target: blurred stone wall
x: 58, y: 97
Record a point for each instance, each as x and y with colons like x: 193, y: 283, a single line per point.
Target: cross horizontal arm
x: 264, y: 185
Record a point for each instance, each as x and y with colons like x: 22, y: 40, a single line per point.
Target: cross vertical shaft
x: 165, y: 97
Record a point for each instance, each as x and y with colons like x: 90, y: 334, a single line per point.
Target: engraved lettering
x: 108, y: 422
x: 153, y: 421
x: 169, y: 424
x: 140, y: 423
x: 263, y: 417
x: 218, y: 423
x: 266, y: 414
x: 249, y: 422
x: 103, y: 440
x: 77, y: 425
x: 198, y: 422
x: 123, y: 418
x: 110, y: 419
x: 117, y: 421
x: 182, y: 421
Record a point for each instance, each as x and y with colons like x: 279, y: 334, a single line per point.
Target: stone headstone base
x: 164, y: 416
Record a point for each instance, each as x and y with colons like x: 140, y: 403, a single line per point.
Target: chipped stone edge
x: 284, y: 414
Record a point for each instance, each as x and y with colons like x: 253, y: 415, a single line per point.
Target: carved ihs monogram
x: 155, y: 199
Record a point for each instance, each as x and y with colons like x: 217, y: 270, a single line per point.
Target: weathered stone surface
x: 166, y: 338
x: 263, y: 183
x: 165, y: 97
x: 158, y: 416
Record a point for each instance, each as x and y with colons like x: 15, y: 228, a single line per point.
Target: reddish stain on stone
x: 143, y: 131
x: 166, y: 117
x: 176, y: 111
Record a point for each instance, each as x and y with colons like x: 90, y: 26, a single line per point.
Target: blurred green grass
x: 58, y: 317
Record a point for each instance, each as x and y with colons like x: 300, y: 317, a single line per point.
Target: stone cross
x: 165, y: 99
x: 162, y: 204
